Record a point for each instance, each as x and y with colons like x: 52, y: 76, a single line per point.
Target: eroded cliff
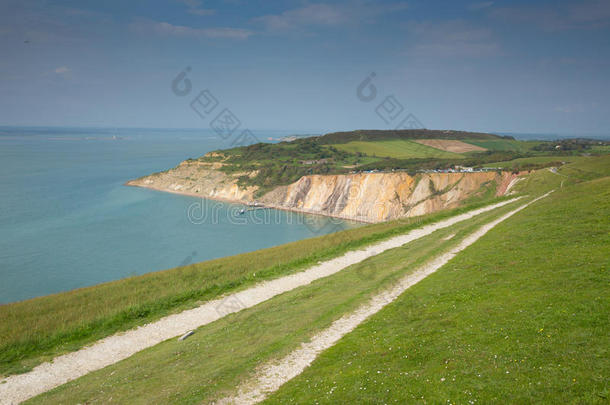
x: 198, y: 179
x: 369, y: 197
x: 374, y: 197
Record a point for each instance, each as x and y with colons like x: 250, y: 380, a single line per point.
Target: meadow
x: 510, y: 145
x: 398, y: 148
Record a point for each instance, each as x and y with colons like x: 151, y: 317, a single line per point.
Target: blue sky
x: 509, y: 66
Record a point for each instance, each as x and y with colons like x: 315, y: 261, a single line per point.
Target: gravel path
x: 107, y: 351
x: 271, y: 376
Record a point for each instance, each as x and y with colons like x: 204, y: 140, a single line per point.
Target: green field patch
x: 399, y: 149
x: 534, y: 160
x: 510, y: 145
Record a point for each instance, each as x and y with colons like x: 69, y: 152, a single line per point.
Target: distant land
x: 369, y: 175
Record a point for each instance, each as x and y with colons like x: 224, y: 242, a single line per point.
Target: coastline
x: 260, y: 205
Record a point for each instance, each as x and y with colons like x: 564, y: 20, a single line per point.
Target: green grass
x: 36, y: 330
x: 582, y: 169
x: 534, y: 160
x: 398, y: 148
x: 600, y: 149
x: 503, y: 144
x: 519, y: 317
x: 219, y: 355
x: 586, y: 169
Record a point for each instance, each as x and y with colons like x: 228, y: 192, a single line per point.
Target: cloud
x: 313, y: 14
x: 62, y: 70
x: 41, y: 23
x: 597, y: 12
x: 202, y: 11
x: 167, y: 29
x: 590, y: 14
x: 194, y: 7
x: 576, y: 108
x: 322, y: 14
x: 480, y: 5
x: 453, y: 38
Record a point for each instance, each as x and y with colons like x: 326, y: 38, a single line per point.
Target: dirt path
x: 554, y: 171
x: 272, y: 376
x: 112, y: 349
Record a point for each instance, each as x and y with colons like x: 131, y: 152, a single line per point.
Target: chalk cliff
x: 368, y: 197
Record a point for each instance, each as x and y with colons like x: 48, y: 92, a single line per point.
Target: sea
x: 68, y: 221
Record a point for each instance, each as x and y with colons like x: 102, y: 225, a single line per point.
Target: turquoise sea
x: 67, y: 220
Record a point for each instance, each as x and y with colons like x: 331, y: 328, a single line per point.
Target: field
x: 535, y: 160
x: 519, y: 317
x: 451, y: 145
x: 503, y: 144
x: 400, y: 149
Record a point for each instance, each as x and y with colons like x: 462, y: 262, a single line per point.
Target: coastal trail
x: 107, y: 351
x: 274, y: 374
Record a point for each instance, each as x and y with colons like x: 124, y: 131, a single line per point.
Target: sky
x: 500, y: 66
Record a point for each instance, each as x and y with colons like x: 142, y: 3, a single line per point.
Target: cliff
x: 367, y: 197
x: 375, y: 197
x: 198, y: 179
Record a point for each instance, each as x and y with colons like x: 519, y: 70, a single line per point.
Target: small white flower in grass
x: 442, y: 379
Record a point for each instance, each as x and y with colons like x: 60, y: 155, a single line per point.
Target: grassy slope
x: 525, y: 319
x: 509, y: 164
x: 399, y: 148
x: 503, y: 144
x: 221, y: 354
x: 36, y: 330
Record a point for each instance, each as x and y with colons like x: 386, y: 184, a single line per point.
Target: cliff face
x: 374, y: 197
x: 197, y: 179
x: 369, y: 197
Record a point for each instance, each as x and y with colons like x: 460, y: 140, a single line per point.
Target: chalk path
x: 273, y: 375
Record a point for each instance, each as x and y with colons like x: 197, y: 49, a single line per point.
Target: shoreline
x: 260, y: 205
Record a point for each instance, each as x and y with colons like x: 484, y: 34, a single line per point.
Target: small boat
x: 242, y: 211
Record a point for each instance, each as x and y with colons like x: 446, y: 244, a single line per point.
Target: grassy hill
x: 269, y: 165
x: 379, y: 134
x: 520, y: 316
